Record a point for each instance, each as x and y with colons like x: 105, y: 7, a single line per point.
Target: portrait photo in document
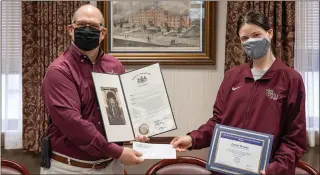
x: 113, y: 106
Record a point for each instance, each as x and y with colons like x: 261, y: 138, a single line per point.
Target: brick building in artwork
x: 160, y: 18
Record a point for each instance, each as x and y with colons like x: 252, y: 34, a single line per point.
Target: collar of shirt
x: 276, y: 65
x: 78, y: 55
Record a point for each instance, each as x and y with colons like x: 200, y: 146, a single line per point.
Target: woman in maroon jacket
x: 263, y: 95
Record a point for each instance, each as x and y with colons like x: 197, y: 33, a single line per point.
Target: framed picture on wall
x: 166, y: 32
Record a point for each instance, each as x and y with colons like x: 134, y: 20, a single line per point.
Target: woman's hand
x: 181, y: 143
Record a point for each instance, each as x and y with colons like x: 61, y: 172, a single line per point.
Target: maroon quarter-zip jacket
x: 76, y: 126
x: 274, y: 104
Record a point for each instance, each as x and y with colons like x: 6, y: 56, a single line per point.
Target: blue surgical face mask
x: 256, y: 48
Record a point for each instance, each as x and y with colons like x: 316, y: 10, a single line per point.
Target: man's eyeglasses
x: 92, y: 24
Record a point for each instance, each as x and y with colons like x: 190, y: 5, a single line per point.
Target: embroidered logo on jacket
x: 271, y: 94
x: 235, y: 88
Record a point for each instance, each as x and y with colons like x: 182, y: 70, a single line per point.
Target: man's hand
x: 181, y: 143
x: 263, y: 172
x: 130, y: 157
x: 142, y: 138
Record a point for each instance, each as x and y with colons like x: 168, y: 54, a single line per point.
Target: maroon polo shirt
x: 274, y: 104
x: 70, y: 100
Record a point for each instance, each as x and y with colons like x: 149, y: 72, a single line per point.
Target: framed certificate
x: 238, y: 151
x: 134, y: 103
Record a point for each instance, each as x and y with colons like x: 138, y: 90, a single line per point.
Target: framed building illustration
x: 167, y: 32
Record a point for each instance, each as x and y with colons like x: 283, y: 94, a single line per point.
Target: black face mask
x: 86, y: 38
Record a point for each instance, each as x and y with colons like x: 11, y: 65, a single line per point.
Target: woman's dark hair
x: 255, y: 18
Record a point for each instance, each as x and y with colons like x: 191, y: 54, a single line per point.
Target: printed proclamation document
x: 134, y: 103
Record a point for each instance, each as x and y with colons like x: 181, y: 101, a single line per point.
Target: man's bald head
x: 88, y: 11
x: 87, y: 15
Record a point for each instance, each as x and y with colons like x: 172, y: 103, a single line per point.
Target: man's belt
x: 72, y: 162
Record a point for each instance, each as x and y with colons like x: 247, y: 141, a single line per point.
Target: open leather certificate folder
x: 134, y: 103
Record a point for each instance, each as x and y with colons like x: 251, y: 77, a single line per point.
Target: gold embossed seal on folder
x: 144, y: 129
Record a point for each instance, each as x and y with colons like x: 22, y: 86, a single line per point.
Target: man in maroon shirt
x: 264, y: 96
x: 76, y: 132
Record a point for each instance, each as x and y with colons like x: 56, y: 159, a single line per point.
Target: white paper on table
x: 155, y: 151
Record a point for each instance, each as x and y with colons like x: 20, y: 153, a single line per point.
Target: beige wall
x: 192, y: 91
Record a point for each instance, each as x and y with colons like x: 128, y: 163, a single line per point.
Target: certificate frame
x: 265, y: 139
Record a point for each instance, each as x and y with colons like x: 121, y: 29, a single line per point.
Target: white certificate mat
x: 147, y: 100
x: 239, y: 151
x: 155, y: 151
